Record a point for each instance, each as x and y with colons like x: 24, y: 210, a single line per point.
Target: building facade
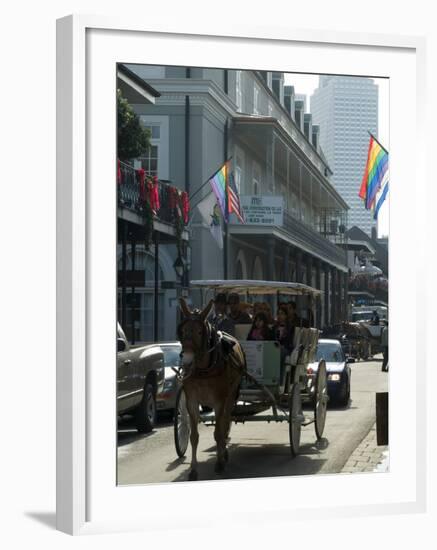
x: 148, y: 244
x: 206, y: 116
x: 346, y: 109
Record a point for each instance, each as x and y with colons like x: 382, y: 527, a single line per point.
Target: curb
x: 368, y: 456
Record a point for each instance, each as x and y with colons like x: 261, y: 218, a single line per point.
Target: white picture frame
x: 87, y: 47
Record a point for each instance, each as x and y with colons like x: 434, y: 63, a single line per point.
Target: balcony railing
x: 311, y: 238
x: 377, y: 286
x: 168, y: 203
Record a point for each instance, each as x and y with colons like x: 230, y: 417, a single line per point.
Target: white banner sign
x: 253, y: 351
x: 263, y: 210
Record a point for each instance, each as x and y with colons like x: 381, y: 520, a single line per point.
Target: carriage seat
x: 242, y: 331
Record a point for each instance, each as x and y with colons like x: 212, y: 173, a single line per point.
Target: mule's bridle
x: 212, y: 339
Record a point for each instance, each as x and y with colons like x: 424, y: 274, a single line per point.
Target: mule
x: 214, y: 366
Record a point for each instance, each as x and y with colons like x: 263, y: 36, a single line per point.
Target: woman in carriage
x: 260, y: 328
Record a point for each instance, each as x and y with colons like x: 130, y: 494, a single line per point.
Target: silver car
x: 166, y: 398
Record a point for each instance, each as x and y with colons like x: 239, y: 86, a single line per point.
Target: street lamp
x: 179, y: 267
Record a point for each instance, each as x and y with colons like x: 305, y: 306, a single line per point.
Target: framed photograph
x: 231, y: 265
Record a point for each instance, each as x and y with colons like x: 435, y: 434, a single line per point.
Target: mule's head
x: 194, y: 332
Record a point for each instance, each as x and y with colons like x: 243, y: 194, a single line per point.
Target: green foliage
x: 133, y: 140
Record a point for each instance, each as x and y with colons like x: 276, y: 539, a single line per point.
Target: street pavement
x: 261, y: 449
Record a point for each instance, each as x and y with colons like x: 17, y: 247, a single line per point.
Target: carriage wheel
x: 295, y: 418
x: 321, y: 399
x: 182, y: 427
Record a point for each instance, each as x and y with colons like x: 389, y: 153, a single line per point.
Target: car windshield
x: 171, y: 356
x: 362, y: 316
x: 330, y: 352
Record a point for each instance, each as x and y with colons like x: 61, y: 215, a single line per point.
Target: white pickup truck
x: 140, y: 376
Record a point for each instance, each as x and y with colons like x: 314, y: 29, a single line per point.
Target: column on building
x: 326, y: 295
x: 270, y: 259
x: 298, y: 259
x: 332, y: 292
x: 346, y: 296
x: 309, y: 270
x: 339, y: 296
x: 270, y: 271
x: 286, y: 264
x: 318, y: 300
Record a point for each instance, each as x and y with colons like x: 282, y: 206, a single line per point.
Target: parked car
x: 166, y: 398
x: 337, y: 369
x: 140, y: 376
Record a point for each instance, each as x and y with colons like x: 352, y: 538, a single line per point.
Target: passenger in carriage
x: 284, y: 334
x: 236, y: 314
x: 263, y: 307
x: 284, y: 329
x: 260, y: 328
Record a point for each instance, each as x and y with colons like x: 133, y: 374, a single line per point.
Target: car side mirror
x: 121, y: 344
x: 350, y: 360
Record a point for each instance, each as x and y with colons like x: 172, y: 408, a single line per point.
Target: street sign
x: 263, y: 209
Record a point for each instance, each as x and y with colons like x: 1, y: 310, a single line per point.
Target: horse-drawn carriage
x: 354, y: 338
x: 256, y: 383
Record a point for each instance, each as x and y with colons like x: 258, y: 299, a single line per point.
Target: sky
x: 307, y: 83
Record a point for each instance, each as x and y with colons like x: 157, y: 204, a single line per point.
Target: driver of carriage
x: 260, y: 328
x: 220, y: 319
x: 236, y: 313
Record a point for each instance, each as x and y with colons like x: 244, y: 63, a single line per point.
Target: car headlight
x: 334, y: 377
x: 169, y: 384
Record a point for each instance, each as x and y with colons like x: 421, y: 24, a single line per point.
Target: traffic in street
x: 256, y: 449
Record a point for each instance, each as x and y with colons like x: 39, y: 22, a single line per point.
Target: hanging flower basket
x: 153, y: 199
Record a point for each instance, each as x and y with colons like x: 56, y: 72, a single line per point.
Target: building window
x: 239, y: 90
x: 238, y: 178
x: 276, y: 87
x: 149, y: 162
x: 239, y: 170
x: 256, y: 179
x: 256, y: 100
x: 155, y: 161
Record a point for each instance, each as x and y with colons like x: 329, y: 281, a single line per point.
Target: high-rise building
x: 346, y: 109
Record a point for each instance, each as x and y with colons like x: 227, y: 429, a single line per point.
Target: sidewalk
x: 368, y: 456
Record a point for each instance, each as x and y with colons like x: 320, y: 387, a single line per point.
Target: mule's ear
x: 206, y: 310
x: 186, y: 312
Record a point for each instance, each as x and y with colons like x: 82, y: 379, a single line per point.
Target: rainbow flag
x: 218, y: 183
x: 380, y: 200
x: 375, y: 173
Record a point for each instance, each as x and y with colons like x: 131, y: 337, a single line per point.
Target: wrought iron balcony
x: 131, y: 197
x: 309, y: 238
x: 377, y: 286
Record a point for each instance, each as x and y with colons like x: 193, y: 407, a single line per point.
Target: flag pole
x: 226, y: 217
x: 378, y: 142
x: 206, y: 181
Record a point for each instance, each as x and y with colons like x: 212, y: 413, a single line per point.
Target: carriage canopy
x: 243, y: 286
